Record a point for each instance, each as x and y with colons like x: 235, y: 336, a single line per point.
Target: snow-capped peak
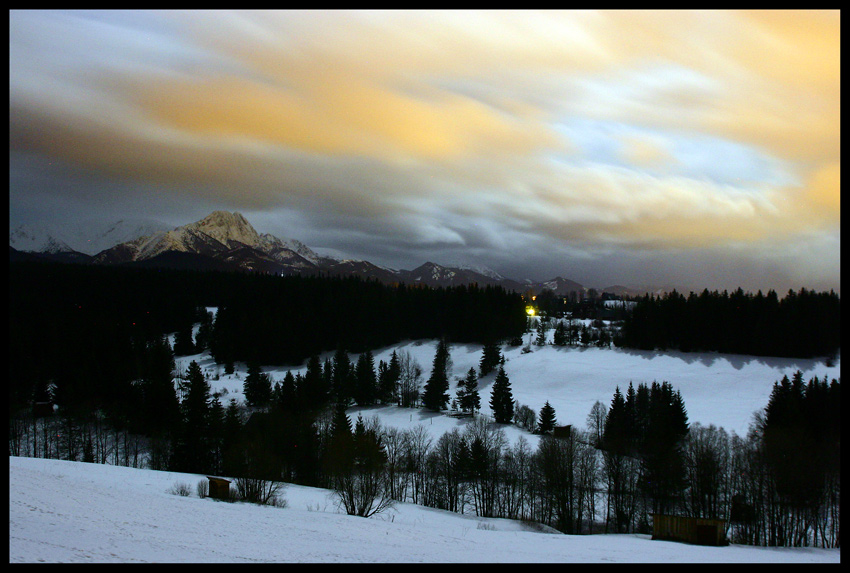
x: 225, y: 227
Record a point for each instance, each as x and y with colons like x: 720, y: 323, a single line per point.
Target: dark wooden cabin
x: 696, y: 530
x: 219, y: 488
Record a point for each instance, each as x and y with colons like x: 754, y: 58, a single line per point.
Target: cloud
x: 579, y: 132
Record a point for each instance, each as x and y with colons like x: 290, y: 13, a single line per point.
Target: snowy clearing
x: 61, y: 511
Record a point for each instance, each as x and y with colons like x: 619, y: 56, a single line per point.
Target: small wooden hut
x: 563, y: 432
x: 696, y: 530
x: 219, y: 488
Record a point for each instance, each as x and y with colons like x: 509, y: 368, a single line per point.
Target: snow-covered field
x: 62, y: 511
x: 75, y: 512
x: 720, y: 389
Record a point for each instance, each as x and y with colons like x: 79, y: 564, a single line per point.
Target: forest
x: 91, y: 340
x: 802, y: 324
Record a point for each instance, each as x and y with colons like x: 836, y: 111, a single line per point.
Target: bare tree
x: 410, y: 380
x: 596, y: 422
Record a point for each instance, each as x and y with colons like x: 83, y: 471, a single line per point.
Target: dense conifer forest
x: 803, y: 324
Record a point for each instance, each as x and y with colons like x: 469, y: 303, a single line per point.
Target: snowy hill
x: 73, y: 512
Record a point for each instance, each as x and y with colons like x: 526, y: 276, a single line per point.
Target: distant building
x: 562, y: 431
x: 696, y: 530
x: 219, y: 487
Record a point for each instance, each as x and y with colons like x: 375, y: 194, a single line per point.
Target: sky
x: 684, y: 148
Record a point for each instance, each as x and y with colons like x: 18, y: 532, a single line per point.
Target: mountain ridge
x: 226, y: 240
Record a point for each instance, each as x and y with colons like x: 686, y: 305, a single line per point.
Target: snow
x: 74, y: 512
x: 720, y: 389
x: 62, y: 511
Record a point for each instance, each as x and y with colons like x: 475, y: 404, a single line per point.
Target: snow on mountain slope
x: 90, y: 237
x: 37, y: 239
x: 74, y: 512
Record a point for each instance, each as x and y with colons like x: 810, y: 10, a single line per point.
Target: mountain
x: 560, y: 286
x: 227, y: 241
x: 89, y: 237
x: 42, y: 244
x: 434, y: 275
x: 37, y: 240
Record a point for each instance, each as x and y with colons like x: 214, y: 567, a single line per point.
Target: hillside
x: 72, y: 512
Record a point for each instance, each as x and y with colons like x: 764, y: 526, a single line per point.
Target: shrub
x: 181, y: 489
x: 525, y: 417
x: 261, y: 491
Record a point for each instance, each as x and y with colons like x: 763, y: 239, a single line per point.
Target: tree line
x: 803, y: 324
x: 91, y: 330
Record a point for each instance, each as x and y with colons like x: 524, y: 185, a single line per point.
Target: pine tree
x: 342, y: 376
x: 388, y: 378
x: 559, y: 338
x: 257, y: 387
x: 340, y: 423
x: 193, y: 451
x: 366, y: 388
x: 546, y: 423
x: 183, y: 345
x: 501, y: 398
x: 491, y: 356
x: 541, y: 333
x: 287, y: 399
x: 160, y: 407
x: 315, y: 390
x: 231, y: 455
x: 616, y: 437
x: 467, y: 393
x: 436, y: 394
x: 202, y: 339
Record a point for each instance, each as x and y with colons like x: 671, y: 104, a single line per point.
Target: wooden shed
x: 696, y: 530
x: 219, y: 488
x: 562, y: 431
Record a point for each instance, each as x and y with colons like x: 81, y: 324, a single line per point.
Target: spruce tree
x: 287, y: 399
x: 183, y: 345
x: 560, y: 336
x: 436, y: 394
x: 193, y: 451
x: 315, y: 390
x: 467, y: 393
x: 366, y: 387
x: 541, y: 333
x: 342, y: 376
x: 546, y: 423
x: 202, y: 339
x: 388, y: 378
x: 257, y: 387
x: 340, y: 423
x: 160, y: 407
x: 491, y: 356
x: 501, y: 398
